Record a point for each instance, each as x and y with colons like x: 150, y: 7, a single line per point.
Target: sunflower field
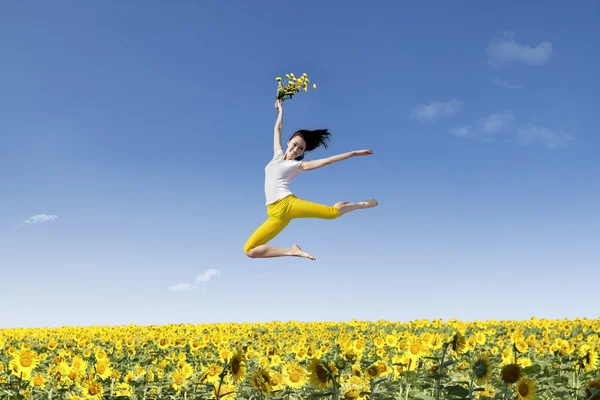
x: 533, y: 359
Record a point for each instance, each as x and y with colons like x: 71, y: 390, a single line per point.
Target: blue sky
x: 134, y: 135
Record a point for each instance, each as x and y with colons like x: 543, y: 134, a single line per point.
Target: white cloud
x: 38, y: 219
x: 505, y: 50
x: 495, y: 123
x: 488, y: 126
x: 182, y: 287
x: 530, y: 134
x: 505, y: 122
x: 208, y: 275
x: 507, y: 85
x: 435, y: 110
x: 463, y: 131
x: 201, y: 281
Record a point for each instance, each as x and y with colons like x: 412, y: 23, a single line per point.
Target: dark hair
x: 315, y: 138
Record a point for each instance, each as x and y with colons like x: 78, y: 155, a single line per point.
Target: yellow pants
x: 282, y: 212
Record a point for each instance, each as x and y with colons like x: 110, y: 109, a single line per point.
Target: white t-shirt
x: 279, y: 173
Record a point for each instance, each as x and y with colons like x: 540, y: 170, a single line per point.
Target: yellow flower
x: 294, y: 375
x: 92, y: 389
x: 315, y: 86
x: 416, y: 348
x: 278, y: 78
x: 261, y: 380
x: 238, y: 366
x: 24, y: 362
x: 525, y: 389
x: 482, y: 369
x: 319, y: 376
x: 38, y: 381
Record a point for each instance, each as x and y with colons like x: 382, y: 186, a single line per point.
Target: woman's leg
x: 256, y: 246
x: 300, y: 208
x: 345, y: 207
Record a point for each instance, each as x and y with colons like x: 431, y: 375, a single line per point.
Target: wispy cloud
x: 506, y: 50
x: 507, y: 85
x: 505, y: 122
x: 435, y: 111
x: 497, y: 122
x: 37, y: 219
x: 208, y: 275
x: 490, y: 125
x: 182, y: 287
x: 530, y: 134
x: 201, y: 281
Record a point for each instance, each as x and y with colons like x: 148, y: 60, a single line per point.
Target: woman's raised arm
x: 278, y: 127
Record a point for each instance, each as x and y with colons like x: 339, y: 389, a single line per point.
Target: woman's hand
x: 279, y: 105
x: 362, y: 152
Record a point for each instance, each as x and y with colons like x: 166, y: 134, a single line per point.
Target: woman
x: 282, y: 204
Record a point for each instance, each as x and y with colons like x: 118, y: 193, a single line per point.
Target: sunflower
x: 521, y: 346
x: 294, y: 375
x: 92, y: 389
x: 353, y: 387
x: 164, y: 343
x: 38, y: 381
x: 589, y: 358
x: 261, y: 380
x: 416, y: 348
x: 103, y: 369
x: 211, y: 375
x: 24, y: 361
x: 238, y: 366
x: 511, y: 373
x: 482, y: 369
x: 525, y: 389
x: 319, y: 376
x: 372, y: 371
x: 459, y: 343
x: 276, y: 380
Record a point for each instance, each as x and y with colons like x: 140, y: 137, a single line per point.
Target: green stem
x: 576, y: 384
x: 471, y: 385
x: 439, y: 378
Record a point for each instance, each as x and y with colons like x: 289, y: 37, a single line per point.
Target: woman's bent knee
x: 248, y: 250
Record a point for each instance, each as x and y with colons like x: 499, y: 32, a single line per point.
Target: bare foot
x: 370, y: 203
x: 297, y: 251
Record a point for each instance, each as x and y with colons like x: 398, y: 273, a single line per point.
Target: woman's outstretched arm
x: 308, y: 165
x: 278, y: 127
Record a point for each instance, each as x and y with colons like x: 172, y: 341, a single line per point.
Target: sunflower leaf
x: 533, y: 369
x: 457, y: 390
x: 323, y: 394
x: 423, y: 396
x: 438, y: 375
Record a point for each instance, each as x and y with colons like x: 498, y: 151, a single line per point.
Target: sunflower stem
x: 505, y: 391
x: 576, y: 384
x: 439, y: 378
x: 471, y: 385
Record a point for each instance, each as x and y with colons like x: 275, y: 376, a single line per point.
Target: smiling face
x: 296, y: 147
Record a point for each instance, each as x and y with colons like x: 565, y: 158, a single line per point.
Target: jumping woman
x: 282, y: 204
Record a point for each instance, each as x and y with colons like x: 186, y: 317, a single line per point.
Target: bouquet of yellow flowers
x: 292, y: 86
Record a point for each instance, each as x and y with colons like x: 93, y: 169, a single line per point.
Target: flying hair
x: 313, y: 138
